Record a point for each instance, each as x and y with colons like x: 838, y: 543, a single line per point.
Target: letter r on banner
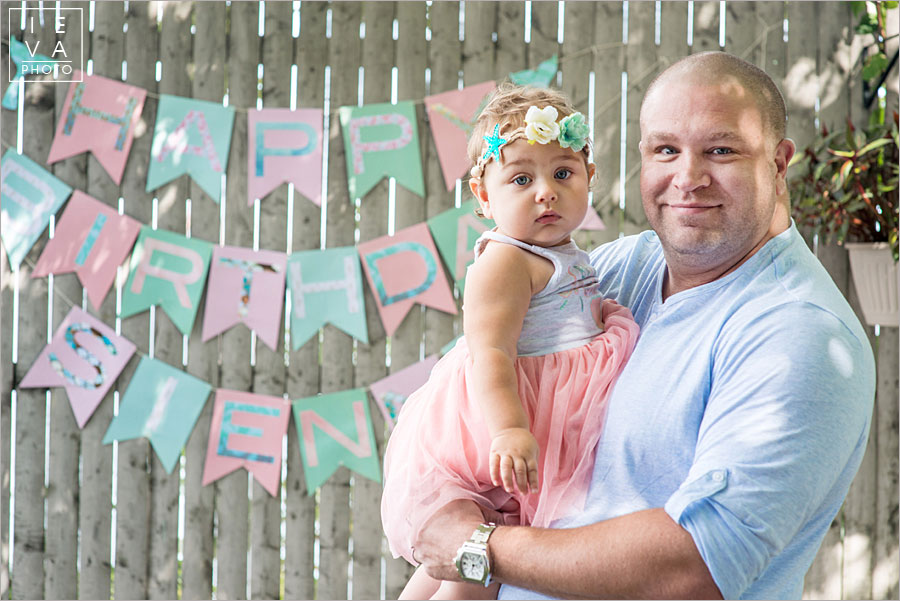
x: 179, y: 281
x: 310, y: 418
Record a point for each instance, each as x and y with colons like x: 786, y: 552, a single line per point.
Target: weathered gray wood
x: 706, y: 26
x: 544, y: 33
x: 28, y: 531
x: 409, y: 210
x: 773, y: 48
x: 742, y: 33
x: 886, y: 555
x: 640, y: 56
x: 445, y: 60
x: 834, y: 63
x: 269, y: 375
x: 608, y: 64
x: 892, y: 83
x: 511, y: 48
x: 800, y: 86
x: 60, y: 570
x: 311, y: 53
x: 378, y: 58
x: 479, y: 51
x: 337, y: 347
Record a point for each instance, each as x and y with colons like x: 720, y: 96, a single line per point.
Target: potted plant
x: 844, y: 188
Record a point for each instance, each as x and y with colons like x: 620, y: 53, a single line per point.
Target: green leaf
x: 874, y: 66
x: 858, y: 8
x: 841, y: 153
x: 889, y: 4
x: 873, y: 145
x: 868, y: 23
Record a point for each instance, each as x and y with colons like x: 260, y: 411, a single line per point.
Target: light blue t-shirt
x: 744, y: 411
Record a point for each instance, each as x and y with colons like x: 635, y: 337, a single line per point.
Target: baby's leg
x: 466, y: 590
x: 420, y: 586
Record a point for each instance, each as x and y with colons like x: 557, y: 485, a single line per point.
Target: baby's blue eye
x: 722, y: 151
x: 521, y: 180
x: 563, y: 174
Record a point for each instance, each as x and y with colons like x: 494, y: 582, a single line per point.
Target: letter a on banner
x: 99, y: 115
x: 168, y: 270
x: 246, y: 431
x: 92, y: 240
x: 326, y: 287
x: 335, y: 430
x: 192, y: 136
x: 381, y: 140
x: 85, y: 357
x: 404, y: 269
x: 455, y: 233
x: 284, y: 146
x: 29, y: 195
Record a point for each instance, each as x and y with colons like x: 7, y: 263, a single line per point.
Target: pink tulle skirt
x: 438, y: 451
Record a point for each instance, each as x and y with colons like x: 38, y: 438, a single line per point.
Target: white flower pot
x: 875, y: 277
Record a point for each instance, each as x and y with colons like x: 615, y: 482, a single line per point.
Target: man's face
x: 710, y: 172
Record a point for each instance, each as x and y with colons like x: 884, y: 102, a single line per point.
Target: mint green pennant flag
x: 542, y: 76
x: 193, y: 137
x: 326, y: 287
x: 455, y: 232
x: 29, y: 195
x: 335, y: 430
x: 162, y: 403
x: 381, y: 140
x: 168, y: 270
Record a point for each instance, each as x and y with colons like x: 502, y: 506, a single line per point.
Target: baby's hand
x: 514, y: 454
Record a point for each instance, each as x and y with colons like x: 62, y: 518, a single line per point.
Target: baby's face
x: 538, y: 193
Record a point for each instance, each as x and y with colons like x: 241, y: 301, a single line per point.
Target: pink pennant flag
x: 99, y: 115
x: 391, y: 392
x: 451, y: 115
x: 404, y: 269
x: 247, y: 286
x: 592, y: 221
x: 85, y: 357
x: 246, y: 431
x: 92, y: 240
x: 284, y: 146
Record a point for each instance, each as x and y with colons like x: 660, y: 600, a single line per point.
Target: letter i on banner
x: 284, y: 146
x: 381, y: 140
x: 246, y: 431
x: 168, y: 270
x: 85, y: 357
x: 326, y: 287
x: 29, y: 195
x: 335, y: 430
x: 99, y: 115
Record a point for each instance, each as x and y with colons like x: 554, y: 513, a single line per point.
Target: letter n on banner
x: 246, y: 431
x: 168, y: 270
x: 334, y: 430
x: 403, y: 269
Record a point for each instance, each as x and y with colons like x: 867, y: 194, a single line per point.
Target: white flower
x: 541, y: 125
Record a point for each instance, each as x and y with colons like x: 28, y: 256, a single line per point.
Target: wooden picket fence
x: 91, y: 521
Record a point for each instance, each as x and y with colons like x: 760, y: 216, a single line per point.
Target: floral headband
x: 541, y: 127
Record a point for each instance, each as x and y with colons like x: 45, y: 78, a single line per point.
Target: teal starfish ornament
x: 494, y: 143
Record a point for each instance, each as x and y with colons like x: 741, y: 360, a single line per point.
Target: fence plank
x: 445, y: 60
x: 337, y: 347
x: 886, y: 573
x: 706, y: 26
x: 641, y: 64
x: 303, y: 375
x: 511, y: 47
x: 544, y: 33
x: 60, y: 569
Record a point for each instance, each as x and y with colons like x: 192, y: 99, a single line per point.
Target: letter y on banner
x: 335, y: 430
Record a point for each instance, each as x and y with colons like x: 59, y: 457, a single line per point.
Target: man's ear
x: 783, y: 154
x: 476, y: 185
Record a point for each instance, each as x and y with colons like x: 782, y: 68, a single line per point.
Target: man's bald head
x: 718, y: 67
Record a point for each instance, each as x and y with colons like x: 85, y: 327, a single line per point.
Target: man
x: 735, y: 429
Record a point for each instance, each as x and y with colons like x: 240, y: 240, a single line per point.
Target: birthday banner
x: 246, y: 286
x: 92, y: 240
x: 452, y: 118
x: 168, y: 270
x: 284, y: 146
x: 381, y: 140
x: 541, y: 76
x: 193, y: 137
x: 246, y: 431
x: 29, y: 196
x: 85, y: 357
x: 99, y: 115
x: 390, y: 393
x: 161, y: 404
x: 455, y: 233
x: 335, y: 430
x: 404, y: 269
x: 326, y: 287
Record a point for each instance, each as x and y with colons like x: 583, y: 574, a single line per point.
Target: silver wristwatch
x: 472, y: 560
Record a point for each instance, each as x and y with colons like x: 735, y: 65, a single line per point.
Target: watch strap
x: 483, y: 533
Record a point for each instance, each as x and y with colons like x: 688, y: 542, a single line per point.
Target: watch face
x: 473, y: 566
